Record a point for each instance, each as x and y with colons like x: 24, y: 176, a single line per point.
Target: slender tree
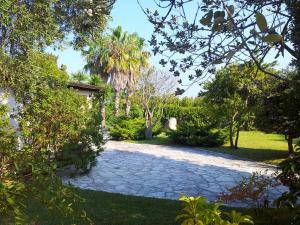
x: 97, y: 56
x: 138, y: 60
x: 154, y: 90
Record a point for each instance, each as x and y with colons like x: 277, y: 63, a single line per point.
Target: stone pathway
x: 165, y: 172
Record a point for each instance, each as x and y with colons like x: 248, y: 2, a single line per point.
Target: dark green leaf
x: 261, y: 22
x: 272, y: 38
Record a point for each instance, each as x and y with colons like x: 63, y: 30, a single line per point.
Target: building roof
x: 86, y: 87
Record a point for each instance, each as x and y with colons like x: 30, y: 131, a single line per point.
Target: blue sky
x: 129, y: 15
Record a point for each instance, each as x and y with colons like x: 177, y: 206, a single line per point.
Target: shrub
x: 51, y: 116
x: 196, y: 211
x: 290, y: 177
x: 82, y: 152
x: 157, y: 128
x: 251, y: 190
x: 128, y: 129
x: 197, y: 130
x: 28, y: 176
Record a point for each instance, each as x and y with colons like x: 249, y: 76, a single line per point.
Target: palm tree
x: 118, y: 63
x: 118, y: 58
x: 138, y: 59
x: 107, y: 57
x: 97, y: 57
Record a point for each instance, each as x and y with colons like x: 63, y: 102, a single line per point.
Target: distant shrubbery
x: 197, y: 133
x: 196, y: 128
x: 128, y: 129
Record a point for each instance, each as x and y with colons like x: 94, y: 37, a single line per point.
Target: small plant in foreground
x: 290, y: 177
x: 251, y: 190
x: 198, y: 211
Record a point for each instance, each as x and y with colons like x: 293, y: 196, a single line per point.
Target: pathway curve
x: 165, y: 171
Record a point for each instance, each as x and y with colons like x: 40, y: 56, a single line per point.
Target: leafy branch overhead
x: 193, y: 36
x: 22, y: 27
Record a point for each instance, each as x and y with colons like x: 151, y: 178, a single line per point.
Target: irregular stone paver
x: 166, y: 172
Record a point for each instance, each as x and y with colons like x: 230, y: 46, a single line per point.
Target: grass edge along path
x: 116, y: 209
x: 253, y: 145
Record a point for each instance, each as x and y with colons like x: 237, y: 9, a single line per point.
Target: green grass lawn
x: 254, y: 145
x: 116, y: 209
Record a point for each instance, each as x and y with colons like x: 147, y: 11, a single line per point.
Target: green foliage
x: 35, y: 24
x: 95, y: 79
x: 280, y: 108
x: 82, y: 152
x: 197, y: 211
x: 157, y: 128
x: 80, y: 77
x: 198, y: 129
x: 128, y: 129
x: 136, y: 111
x: 180, y: 112
x: 232, y: 97
x: 7, y: 133
x: 51, y: 117
x: 290, y: 177
x: 261, y: 22
x: 27, y: 175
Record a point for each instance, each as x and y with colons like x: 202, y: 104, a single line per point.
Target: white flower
x: 98, y: 8
x: 89, y: 12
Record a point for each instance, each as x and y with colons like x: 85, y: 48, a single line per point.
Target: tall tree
x: 138, y: 60
x: 97, y: 57
x: 232, y: 96
x: 107, y: 56
x: 117, y: 63
x: 280, y: 109
x: 154, y: 90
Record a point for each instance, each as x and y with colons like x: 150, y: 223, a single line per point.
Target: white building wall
x: 7, y: 97
x: 87, y: 94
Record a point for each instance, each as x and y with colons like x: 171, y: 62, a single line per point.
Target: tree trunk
x: 231, y: 131
x: 231, y: 135
x: 127, y: 105
x: 103, y: 114
x: 290, y: 145
x: 116, y: 103
x: 237, y: 135
x: 237, y: 138
x: 148, y: 133
x: 148, y: 130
